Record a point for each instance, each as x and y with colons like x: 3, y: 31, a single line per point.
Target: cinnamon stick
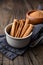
x: 12, y: 33
x: 20, y: 28
x: 25, y: 27
x: 28, y: 31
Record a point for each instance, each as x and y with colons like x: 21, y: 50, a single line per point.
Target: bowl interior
x: 8, y: 29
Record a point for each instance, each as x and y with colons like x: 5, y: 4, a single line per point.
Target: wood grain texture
x: 10, y: 9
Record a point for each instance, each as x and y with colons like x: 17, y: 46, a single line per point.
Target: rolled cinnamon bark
x: 20, y: 28
x: 12, y: 33
x: 17, y: 26
x: 25, y: 27
x: 28, y: 31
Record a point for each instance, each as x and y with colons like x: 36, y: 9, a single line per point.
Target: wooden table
x: 10, y: 9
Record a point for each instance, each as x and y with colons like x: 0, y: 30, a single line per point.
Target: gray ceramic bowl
x: 16, y: 42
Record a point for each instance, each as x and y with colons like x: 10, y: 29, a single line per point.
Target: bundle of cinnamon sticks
x: 21, y: 28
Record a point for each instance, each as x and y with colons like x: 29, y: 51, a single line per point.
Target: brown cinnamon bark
x: 25, y: 27
x: 28, y: 31
x: 20, y: 28
x: 12, y: 33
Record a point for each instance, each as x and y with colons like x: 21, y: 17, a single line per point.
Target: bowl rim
x: 15, y: 37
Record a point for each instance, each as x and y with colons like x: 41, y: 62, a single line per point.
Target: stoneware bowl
x: 16, y: 42
x: 32, y: 19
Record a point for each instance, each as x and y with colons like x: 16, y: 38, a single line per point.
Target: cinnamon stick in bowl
x: 22, y: 22
x: 12, y: 33
x: 29, y: 30
x: 25, y: 28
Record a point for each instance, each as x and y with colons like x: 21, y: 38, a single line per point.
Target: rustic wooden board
x: 10, y: 9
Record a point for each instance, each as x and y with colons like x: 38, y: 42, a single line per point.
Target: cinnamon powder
x: 37, y: 14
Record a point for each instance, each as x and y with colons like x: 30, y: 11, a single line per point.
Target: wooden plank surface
x: 17, y: 9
